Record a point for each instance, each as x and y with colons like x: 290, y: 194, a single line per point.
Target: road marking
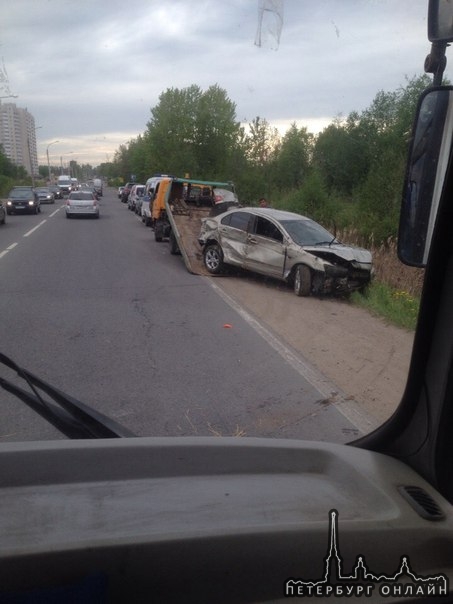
x: 13, y: 245
x: 350, y: 409
x: 34, y: 229
x: 9, y: 248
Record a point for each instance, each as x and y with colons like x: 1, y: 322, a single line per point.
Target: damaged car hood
x: 339, y: 250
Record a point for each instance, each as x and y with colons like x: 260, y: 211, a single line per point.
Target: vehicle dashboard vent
x: 422, y: 502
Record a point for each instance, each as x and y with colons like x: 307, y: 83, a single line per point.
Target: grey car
x: 286, y: 246
x: 45, y: 195
x: 82, y: 203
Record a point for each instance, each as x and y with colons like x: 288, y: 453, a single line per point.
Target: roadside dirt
x: 364, y: 356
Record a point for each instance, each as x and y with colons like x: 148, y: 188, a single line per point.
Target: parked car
x: 136, y: 193
x: 23, y: 199
x: 145, y: 210
x: 45, y: 195
x: 285, y: 246
x: 2, y: 213
x: 82, y: 203
x: 120, y: 191
x: 55, y: 189
x: 126, y: 190
x: 141, y: 199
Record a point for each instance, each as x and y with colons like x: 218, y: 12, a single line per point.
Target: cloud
x: 93, y: 68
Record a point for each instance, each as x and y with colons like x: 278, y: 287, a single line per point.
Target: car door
x: 232, y: 234
x: 266, y: 250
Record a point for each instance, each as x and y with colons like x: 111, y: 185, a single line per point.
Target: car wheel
x: 302, y: 281
x: 174, y: 247
x: 213, y: 259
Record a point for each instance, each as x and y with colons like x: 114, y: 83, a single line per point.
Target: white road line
x: 34, y: 229
x: 10, y: 247
x: 350, y: 409
x: 13, y: 245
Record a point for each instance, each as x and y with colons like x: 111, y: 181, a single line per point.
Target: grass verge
x: 395, y: 306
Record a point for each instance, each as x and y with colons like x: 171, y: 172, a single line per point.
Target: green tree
x: 293, y: 158
x: 261, y: 142
x: 260, y: 145
x: 388, y: 123
x: 171, y: 131
x: 194, y: 132
x: 10, y: 174
x: 217, y: 132
x: 123, y: 163
x: 341, y: 153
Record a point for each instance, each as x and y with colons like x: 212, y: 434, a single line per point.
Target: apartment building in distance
x: 18, y: 136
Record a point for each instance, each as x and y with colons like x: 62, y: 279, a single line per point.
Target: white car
x: 285, y: 246
x: 82, y: 203
x: 145, y: 210
x: 135, y: 197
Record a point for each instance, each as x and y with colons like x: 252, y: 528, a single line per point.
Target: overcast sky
x: 90, y: 70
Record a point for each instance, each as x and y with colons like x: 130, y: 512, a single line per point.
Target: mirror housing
x: 429, y: 156
x: 440, y: 21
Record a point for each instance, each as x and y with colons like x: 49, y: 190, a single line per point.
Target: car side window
x: 237, y: 220
x: 266, y: 228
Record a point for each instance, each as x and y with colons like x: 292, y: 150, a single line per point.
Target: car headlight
x: 31, y: 202
x: 9, y: 202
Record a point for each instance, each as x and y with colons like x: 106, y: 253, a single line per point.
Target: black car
x: 55, y: 189
x: 23, y: 199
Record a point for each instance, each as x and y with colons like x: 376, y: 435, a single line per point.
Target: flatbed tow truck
x: 178, y: 209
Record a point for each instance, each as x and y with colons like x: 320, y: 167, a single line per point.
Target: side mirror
x: 429, y: 157
x: 440, y: 21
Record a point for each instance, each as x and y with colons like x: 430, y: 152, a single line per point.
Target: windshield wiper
x: 72, y: 417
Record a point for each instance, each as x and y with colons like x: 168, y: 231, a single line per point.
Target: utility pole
x: 48, y: 161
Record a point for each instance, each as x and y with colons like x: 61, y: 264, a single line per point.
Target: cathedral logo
x: 362, y: 582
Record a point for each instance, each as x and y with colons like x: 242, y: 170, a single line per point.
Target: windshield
x: 20, y: 193
x: 80, y: 196
x: 307, y: 232
x: 121, y: 312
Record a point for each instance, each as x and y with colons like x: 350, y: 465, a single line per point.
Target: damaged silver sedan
x: 285, y: 246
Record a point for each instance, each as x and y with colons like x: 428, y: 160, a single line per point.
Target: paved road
x: 103, y: 312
